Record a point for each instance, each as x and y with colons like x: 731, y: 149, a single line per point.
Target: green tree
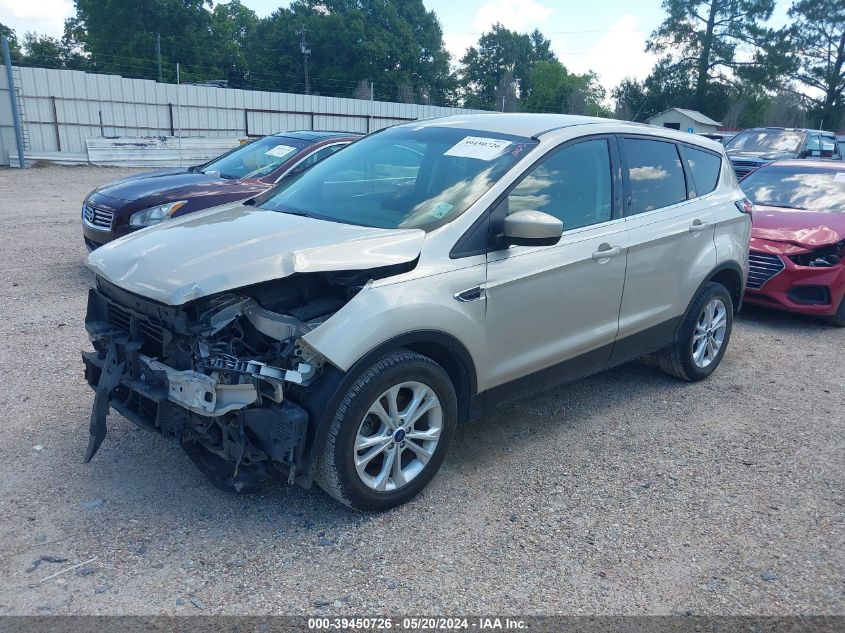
x: 554, y: 89
x: 233, y: 28
x: 120, y: 37
x: 630, y: 99
x: 816, y: 41
x: 50, y: 52
x: 664, y: 88
x: 498, y: 52
x: 7, y: 32
x: 396, y: 44
x: 702, y: 39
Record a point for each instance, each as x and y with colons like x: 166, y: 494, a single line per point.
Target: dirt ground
x: 626, y: 493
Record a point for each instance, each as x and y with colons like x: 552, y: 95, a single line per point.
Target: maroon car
x: 797, y: 253
x: 129, y: 204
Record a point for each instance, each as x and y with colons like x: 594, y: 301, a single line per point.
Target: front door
x: 548, y: 305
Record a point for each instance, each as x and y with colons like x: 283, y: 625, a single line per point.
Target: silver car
x: 338, y: 328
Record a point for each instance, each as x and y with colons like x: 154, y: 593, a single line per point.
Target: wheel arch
x: 730, y: 275
x: 444, y: 349
x: 323, y: 398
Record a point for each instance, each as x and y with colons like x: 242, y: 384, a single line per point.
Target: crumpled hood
x: 160, y: 183
x: 237, y: 245
x: 794, y: 230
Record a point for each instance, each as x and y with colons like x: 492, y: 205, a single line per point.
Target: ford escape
x: 338, y: 327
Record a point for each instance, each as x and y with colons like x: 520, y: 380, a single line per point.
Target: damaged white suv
x: 337, y: 328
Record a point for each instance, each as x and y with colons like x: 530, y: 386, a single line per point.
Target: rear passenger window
x: 705, y: 168
x: 655, y: 174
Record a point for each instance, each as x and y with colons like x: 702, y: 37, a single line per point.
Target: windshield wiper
x: 301, y: 214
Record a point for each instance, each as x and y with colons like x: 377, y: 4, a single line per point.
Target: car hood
x: 174, y: 183
x: 766, y: 156
x: 238, y: 245
x: 794, y: 230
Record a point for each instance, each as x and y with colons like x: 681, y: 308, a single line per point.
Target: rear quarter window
x: 705, y: 168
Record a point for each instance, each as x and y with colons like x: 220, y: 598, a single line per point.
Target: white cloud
x: 649, y: 172
x: 42, y: 16
x: 618, y: 54
x: 458, y: 43
x: 516, y: 15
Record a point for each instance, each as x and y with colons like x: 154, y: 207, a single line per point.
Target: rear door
x: 670, y: 244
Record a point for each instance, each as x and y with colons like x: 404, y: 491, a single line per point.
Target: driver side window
x: 573, y: 184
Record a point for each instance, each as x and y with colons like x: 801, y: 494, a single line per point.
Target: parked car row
x: 751, y: 149
x: 336, y: 326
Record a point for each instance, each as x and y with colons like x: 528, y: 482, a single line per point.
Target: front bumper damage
x: 237, y: 409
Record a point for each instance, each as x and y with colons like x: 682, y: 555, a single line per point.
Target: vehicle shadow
x: 565, y: 409
x: 779, y: 319
x: 140, y: 472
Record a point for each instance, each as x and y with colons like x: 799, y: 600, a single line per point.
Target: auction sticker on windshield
x: 280, y: 150
x: 478, y: 147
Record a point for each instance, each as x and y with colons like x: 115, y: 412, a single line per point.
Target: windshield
x: 255, y: 159
x: 767, y: 141
x: 804, y: 188
x: 404, y: 177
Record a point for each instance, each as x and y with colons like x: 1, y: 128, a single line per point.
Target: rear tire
x: 389, y: 434
x: 702, y: 336
x: 838, y: 319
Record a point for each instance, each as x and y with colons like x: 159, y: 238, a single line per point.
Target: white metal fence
x: 60, y: 109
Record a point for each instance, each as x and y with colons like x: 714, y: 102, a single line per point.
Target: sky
x: 608, y: 39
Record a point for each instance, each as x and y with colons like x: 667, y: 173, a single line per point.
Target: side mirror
x: 531, y: 228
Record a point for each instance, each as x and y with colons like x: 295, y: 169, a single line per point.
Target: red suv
x: 797, y: 258
x: 120, y: 207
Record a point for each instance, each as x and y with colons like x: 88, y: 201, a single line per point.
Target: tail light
x: 745, y: 206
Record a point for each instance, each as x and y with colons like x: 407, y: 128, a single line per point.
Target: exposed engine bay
x: 822, y: 257
x: 223, y: 375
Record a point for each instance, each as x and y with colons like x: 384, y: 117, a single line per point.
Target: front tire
x: 703, y: 335
x: 389, y: 434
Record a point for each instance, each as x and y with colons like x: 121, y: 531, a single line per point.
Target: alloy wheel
x: 398, y: 436
x: 709, y: 334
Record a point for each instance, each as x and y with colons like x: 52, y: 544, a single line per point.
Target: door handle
x: 607, y: 253
x: 697, y: 226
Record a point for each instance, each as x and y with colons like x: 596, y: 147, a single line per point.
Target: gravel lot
x: 626, y: 493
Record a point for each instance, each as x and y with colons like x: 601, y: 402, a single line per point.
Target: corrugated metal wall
x: 62, y: 108
x: 7, y: 131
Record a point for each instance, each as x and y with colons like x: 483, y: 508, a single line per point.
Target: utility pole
x: 305, y: 53
x: 158, y: 54
x: 179, y: 113
x: 13, y: 102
